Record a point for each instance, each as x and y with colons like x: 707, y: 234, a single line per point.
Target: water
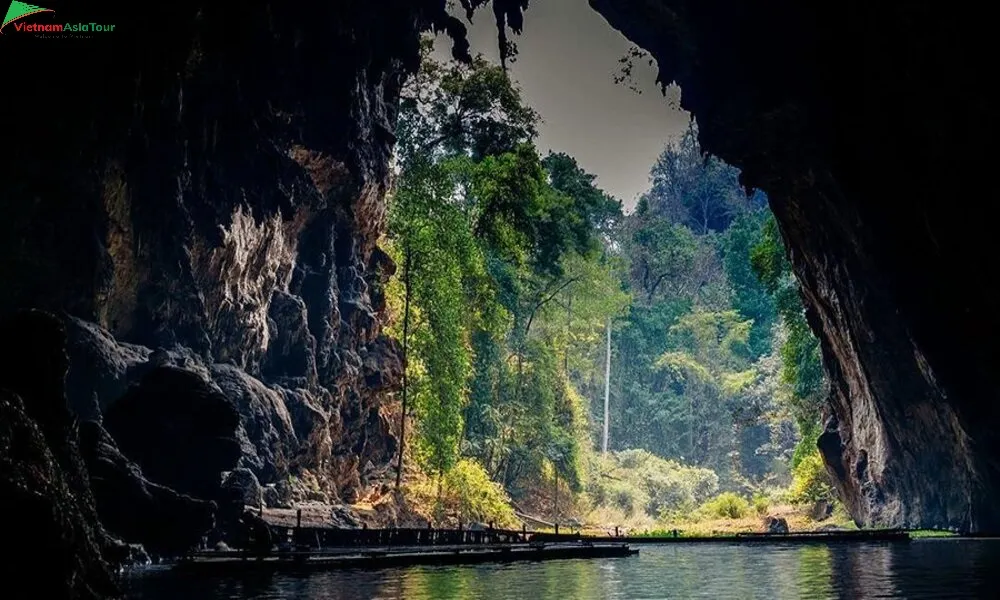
x: 936, y: 568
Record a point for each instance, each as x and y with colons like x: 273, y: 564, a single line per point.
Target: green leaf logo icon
x: 18, y: 10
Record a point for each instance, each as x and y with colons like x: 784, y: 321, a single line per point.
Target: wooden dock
x: 228, y: 563
x: 805, y: 537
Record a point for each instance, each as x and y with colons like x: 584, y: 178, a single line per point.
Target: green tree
x: 437, y: 253
x: 694, y: 189
x: 460, y: 108
x: 503, y: 278
x: 750, y: 296
x: 802, y: 370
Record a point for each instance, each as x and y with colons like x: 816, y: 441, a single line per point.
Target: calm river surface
x: 936, y: 568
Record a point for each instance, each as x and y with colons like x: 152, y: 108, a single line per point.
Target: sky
x: 567, y: 61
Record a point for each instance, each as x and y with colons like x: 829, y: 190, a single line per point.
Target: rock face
x: 38, y: 494
x: 831, y: 110
x: 43, y: 484
x: 179, y: 430
x: 162, y: 520
x: 207, y: 222
x: 202, y: 211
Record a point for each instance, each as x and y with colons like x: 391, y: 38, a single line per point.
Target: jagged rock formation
x: 216, y: 198
x: 837, y: 111
x: 44, y: 491
x: 49, y: 521
x: 203, y: 210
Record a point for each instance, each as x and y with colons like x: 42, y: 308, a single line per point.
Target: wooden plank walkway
x: 226, y: 563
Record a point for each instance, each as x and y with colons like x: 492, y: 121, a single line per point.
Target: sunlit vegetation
x: 466, y: 491
x: 511, y: 267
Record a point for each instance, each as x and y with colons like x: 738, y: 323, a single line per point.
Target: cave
x: 207, y: 186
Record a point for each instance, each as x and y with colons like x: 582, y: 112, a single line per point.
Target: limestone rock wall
x: 199, y: 195
x: 208, y: 196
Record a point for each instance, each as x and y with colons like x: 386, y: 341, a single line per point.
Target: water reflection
x: 920, y: 569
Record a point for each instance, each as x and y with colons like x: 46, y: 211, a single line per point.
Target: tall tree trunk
x: 691, y: 430
x: 607, y: 389
x: 407, y: 265
x: 555, y: 497
x: 569, y: 327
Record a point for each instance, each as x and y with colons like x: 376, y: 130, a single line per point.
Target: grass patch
x: 931, y: 533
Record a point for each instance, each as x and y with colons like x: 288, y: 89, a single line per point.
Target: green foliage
x: 802, y: 369
x: 438, y: 255
x: 501, y: 280
x: 761, y: 504
x: 456, y: 109
x: 476, y: 496
x: 750, y: 296
x: 595, y: 211
x: 809, y: 433
x: 810, y: 480
x: 727, y: 505
x: 931, y: 533
x: 700, y: 192
x: 694, y: 357
x: 509, y: 268
x: 636, y: 481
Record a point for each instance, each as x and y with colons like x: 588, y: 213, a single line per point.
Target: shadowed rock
x: 163, y: 521
x: 43, y: 484
x: 100, y: 368
x: 267, y: 438
x: 241, y: 488
x: 179, y: 429
x: 219, y: 200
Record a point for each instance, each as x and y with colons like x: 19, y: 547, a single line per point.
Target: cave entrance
x: 598, y: 316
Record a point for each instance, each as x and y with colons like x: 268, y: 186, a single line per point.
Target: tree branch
x: 545, y: 301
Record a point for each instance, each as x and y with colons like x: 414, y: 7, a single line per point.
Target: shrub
x: 639, y: 481
x: 727, y: 505
x: 761, y: 504
x: 468, y: 487
x: 810, y: 481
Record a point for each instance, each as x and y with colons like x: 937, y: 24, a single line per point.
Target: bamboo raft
x: 227, y: 563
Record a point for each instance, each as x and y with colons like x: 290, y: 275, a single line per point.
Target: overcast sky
x: 568, y: 58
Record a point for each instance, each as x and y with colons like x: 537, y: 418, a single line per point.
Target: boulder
x: 163, y: 521
x: 100, y: 368
x: 241, y: 488
x: 266, y: 435
x: 776, y: 525
x: 821, y: 510
x: 343, y: 516
x: 179, y: 429
x: 277, y: 495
